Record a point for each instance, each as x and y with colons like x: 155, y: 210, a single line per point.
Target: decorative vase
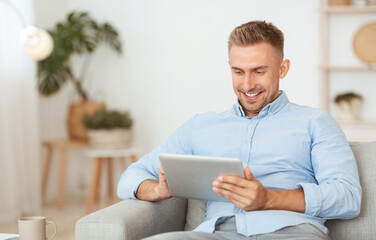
x: 76, y: 113
x: 110, y: 138
x: 349, y: 110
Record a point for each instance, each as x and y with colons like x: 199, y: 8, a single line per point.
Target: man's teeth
x: 251, y: 95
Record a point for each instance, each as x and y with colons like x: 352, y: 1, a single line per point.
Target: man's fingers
x: 246, y: 193
x: 161, y: 172
x: 238, y: 180
x: 238, y: 200
x: 162, y: 177
x: 248, y: 174
x: 227, y: 194
x: 239, y: 196
x: 233, y: 180
x: 228, y: 187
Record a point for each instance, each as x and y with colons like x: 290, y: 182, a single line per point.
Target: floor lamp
x: 36, y: 42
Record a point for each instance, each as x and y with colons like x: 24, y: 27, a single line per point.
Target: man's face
x: 256, y: 70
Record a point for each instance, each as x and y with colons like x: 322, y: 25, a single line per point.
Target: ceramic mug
x: 34, y: 228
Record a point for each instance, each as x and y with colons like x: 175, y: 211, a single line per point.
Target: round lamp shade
x: 37, y: 43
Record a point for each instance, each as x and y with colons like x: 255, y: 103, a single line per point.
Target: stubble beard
x: 254, y: 109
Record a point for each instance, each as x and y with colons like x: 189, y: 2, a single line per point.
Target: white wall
x: 175, y: 61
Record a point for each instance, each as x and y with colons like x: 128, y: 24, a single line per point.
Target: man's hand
x: 150, y: 190
x: 249, y: 194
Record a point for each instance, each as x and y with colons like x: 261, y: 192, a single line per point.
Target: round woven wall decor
x: 365, y: 43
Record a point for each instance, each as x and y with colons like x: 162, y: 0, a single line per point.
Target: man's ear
x: 284, y: 68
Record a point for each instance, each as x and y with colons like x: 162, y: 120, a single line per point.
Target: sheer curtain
x: 19, y: 132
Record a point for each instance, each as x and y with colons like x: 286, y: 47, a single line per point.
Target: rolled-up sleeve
x: 179, y: 142
x: 337, y: 194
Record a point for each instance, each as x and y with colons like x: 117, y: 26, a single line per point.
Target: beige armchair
x: 134, y: 219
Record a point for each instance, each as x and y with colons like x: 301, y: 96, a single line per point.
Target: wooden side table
x: 62, y: 146
x: 106, y: 156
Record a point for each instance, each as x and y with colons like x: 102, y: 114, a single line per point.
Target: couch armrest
x: 133, y: 219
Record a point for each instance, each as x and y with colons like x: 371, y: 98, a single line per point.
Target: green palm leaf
x: 78, y: 34
x: 50, y: 83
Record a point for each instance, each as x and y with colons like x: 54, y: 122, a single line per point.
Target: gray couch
x: 133, y: 219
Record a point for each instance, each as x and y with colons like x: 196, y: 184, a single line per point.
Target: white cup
x: 34, y: 228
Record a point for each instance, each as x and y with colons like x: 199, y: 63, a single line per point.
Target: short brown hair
x: 255, y: 32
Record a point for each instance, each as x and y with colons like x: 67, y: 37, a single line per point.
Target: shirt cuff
x: 313, y: 198
x: 128, y: 186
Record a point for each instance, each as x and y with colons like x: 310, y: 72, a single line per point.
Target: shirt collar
x: 270, y: 109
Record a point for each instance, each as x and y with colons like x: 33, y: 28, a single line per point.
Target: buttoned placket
x: 246, y: 154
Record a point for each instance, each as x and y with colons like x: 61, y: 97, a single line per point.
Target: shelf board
x: 363, y: 131
x: 371, y: 67
x: 349, y: 9
x: 358, y: 124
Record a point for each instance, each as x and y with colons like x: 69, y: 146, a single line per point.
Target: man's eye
x: 238, y: 72
x: 260, y: 72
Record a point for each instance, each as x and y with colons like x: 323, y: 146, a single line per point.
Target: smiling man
x: 256, y: 70
x: 299, y: 169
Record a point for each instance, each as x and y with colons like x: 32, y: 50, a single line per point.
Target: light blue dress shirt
x: 286, y: 146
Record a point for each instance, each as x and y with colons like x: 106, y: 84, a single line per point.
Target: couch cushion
x: 195, y: 214
x: 362, y: 227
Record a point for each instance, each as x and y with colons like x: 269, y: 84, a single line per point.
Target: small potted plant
x: 349, y: 104
x: 109, y: 129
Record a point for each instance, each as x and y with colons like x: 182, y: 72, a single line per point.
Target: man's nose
x: 249, y: 82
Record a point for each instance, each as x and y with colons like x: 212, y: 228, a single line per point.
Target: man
x: 299, y: 170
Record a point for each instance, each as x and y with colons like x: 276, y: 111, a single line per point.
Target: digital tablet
x: 191, y: 176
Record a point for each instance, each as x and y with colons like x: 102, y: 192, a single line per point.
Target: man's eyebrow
x: 236, y: 68
x: 263, y: 67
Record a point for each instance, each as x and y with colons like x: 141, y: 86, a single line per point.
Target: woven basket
x: 110, y: 139
x: 76, y: 127
x: 364, y: 43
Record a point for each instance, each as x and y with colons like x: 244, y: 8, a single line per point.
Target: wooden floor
x: 65, y: 218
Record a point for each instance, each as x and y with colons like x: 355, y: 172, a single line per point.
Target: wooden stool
x: 62, y: 146
x: 106, y: 155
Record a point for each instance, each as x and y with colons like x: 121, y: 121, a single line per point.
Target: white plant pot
x: 110, y: 139
x: 349, y: 110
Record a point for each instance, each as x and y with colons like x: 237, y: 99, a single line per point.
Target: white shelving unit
x: 354, y: 131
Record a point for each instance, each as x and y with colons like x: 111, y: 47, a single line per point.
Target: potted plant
x: 79, y: 34
x: 109, y: 129
x: 349, y: 104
